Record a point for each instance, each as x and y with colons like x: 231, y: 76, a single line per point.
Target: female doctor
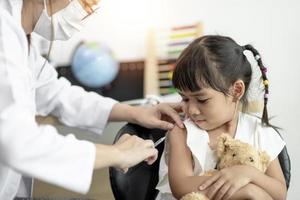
x: 29, y: 86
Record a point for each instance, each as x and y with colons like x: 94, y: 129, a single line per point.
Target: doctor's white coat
x: 38, y: 150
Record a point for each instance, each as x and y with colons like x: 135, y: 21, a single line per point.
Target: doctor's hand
x: 162, y: 116
x: 131, y: 150
x: 88, y: 4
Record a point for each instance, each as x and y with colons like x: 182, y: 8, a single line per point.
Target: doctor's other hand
x: 162, y: 116
x: 89, y: 2
x: 131, y: 150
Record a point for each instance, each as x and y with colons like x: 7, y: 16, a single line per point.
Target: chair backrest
x: 285, y: 163
x: 140, y: 181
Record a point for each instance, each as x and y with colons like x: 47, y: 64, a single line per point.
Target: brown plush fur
x: 232, y: 152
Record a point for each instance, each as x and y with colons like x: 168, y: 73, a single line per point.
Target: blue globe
x: 93, y: 65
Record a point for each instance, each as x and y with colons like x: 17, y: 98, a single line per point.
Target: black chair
x: 140, y: 181
x: 285, y: 163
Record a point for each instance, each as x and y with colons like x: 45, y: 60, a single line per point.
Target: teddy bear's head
x: 235, y: 152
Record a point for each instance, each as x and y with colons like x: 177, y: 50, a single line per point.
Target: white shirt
x: 38, y: 150
x: 249, y: 130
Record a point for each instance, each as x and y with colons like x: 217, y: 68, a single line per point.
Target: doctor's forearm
x: 106, y: 156
x: 123, y: 112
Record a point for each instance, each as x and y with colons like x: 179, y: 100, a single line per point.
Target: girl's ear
x: 238, y: 89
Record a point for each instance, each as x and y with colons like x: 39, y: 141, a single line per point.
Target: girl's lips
x: 199, y: 121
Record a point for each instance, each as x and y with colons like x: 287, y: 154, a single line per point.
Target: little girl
x: 213, y: 75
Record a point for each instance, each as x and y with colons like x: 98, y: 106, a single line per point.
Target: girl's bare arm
x: 181, y: 178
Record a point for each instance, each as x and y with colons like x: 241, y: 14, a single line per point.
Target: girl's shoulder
x: 198, y: 142
x: 195, y: 135
x: 266, y: 138
x: 191, y: 127
x: 253, y: 122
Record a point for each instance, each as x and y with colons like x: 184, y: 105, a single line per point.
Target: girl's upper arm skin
x: 274, y: 170
x: 180, y: 158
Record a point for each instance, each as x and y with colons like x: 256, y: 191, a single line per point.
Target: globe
x: 93, y: 65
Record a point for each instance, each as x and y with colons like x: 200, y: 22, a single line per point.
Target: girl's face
x: 208, y: 108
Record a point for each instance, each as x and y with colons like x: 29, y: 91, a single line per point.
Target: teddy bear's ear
x: 224, y: 142
x: 265, y: 160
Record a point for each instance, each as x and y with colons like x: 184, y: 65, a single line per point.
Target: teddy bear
x: 232, y: 152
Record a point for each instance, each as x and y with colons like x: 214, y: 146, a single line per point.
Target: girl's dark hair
x: 217, y: 62
x: 28, y: 37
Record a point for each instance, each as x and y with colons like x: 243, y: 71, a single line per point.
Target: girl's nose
x: 193, y: 110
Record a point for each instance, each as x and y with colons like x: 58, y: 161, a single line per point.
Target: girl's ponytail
x: 263, y: 69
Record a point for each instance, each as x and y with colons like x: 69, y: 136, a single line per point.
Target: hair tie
x: 266, y: 96
x: 264, y: 69
x: 257, y: 57
x: 266, y: 82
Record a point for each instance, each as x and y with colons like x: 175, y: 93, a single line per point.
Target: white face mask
x: 66, y: 22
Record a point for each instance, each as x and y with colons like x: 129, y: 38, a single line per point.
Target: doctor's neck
x: 30, y: 14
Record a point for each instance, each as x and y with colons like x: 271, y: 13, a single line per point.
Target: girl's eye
x: 185, y: 100
x: 202, y: 100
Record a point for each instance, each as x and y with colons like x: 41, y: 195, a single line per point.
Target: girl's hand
x: 226, y: 182
x: 132, y: 150
x: 160, y: 116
